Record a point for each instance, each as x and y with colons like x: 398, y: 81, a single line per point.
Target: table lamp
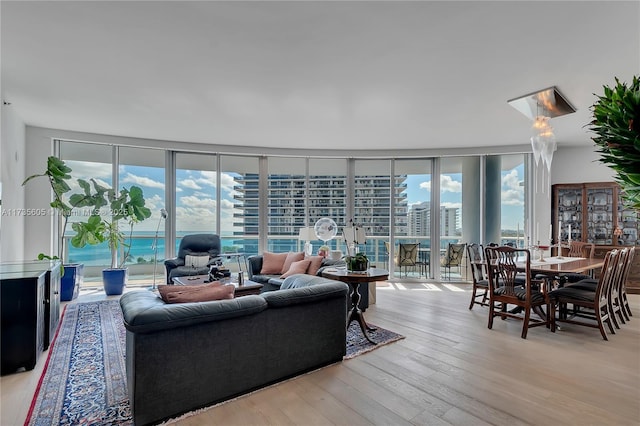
x: 307, y: 234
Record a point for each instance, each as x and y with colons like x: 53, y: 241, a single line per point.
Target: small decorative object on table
x: 324, y: 251
x: 358, y: 263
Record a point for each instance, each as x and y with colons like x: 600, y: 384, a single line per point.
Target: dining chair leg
x: 473, y: 297
x: 491, y: 314
x: 552, y: 316
x: 525, y: 323
x: 601, y: 326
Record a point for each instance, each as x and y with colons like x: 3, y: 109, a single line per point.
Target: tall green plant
x: 59, y: 177
x: 616, y: 123
x: 127, y: 205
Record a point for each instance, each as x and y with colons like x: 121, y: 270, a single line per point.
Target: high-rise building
x: 287, y: 199
x: 420, y: 219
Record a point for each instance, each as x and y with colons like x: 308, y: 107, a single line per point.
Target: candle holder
x: 540, y: 248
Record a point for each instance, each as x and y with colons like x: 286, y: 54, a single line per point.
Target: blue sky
x: 419, y: 190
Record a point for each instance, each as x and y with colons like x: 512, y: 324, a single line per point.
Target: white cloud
x: 449, y: 185
x: 512, y: 192
x: 198, y: 202
x: 142, y: 181
x: 207, y: 178
x: 446, y: 185
x: 189, y: 183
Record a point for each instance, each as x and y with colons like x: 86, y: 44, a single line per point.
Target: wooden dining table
x: 564, y: 265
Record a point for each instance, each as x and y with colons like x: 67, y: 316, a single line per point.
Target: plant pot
x: 113, y: 280
x: 357, y: 266
x: 71, y: 280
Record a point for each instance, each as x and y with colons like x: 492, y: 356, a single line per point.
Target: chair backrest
x: 199, y: 244
x: 454, y: 255
x: 502, y: 269
x: 607, y: 275
x: 478, y: 264
x: 581, y: 249
x: 618, y: 273
x: 627, y: 266
x: 408, y: 254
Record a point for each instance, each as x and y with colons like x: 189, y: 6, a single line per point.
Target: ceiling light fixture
x: 541, y: 106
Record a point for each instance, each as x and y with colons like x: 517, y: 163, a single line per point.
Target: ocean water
x: 142, y: 250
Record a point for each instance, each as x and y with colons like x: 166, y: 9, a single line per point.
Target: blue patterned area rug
x: 357, y: 344
x: 84, y: 379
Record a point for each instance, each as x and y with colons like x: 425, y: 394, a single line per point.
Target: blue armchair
x: 194, y: 245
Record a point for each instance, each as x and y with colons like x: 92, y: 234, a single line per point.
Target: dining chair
x: 581, y: 249
x: 407, y: 256
x: 597, y: 301
x: 453, y: 257
x: 615, y: 306
x: 624, y: 301
x: 504, y: 264
x: 577, y: 249
x: 480, y: 281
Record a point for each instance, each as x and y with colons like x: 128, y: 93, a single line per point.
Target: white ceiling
x: 363, y: 75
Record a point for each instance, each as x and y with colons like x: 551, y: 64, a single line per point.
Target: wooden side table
x: 354, y: 280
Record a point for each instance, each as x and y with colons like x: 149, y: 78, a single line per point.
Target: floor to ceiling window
x: 145, y: 169
x: 239, y: 208
x: 512, y: 196
x: 196, y: 199
x: 228, y: 194
x: 286, y: 203
x: 372, y: 187
x: 413, y: 215
x: 87, y: 162
x: 327, y: 194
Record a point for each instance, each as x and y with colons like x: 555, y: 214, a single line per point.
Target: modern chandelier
x: 540, y: 107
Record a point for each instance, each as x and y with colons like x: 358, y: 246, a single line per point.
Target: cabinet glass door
x: 600, y: 216
x: 570, y: 212
x: 627, y: 224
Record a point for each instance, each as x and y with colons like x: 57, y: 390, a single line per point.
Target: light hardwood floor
x: 450, y: 369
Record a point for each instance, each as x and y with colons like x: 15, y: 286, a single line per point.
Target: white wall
x: 12, y: 154
x: 570, y: 165
x: 578, y: 165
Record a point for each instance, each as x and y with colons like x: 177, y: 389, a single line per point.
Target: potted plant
x: 357, y: 263
x: 127, y: 205
x: 616, y: 123
x: 58, y: 175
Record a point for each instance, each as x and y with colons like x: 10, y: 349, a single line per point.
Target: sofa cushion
x: 203, y: 293
x: 196, y: 261
x: 272, y: 263
x: 299, y: 267
x: 291, y: 258
x: 316, y: 263
x: 164, y: 290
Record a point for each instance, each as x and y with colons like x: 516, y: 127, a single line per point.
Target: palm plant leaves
x: 616, y: 124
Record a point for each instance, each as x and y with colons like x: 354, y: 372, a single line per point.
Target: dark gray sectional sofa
x: 181, y: 357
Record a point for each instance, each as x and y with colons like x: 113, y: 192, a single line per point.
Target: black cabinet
x: 30, y: 298
x: 22, y: 304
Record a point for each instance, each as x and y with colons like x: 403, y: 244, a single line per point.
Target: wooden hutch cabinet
x: 595, y: 213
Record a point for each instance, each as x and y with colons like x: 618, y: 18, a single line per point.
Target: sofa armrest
x: 174, y: 263
x: 144, y: 311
